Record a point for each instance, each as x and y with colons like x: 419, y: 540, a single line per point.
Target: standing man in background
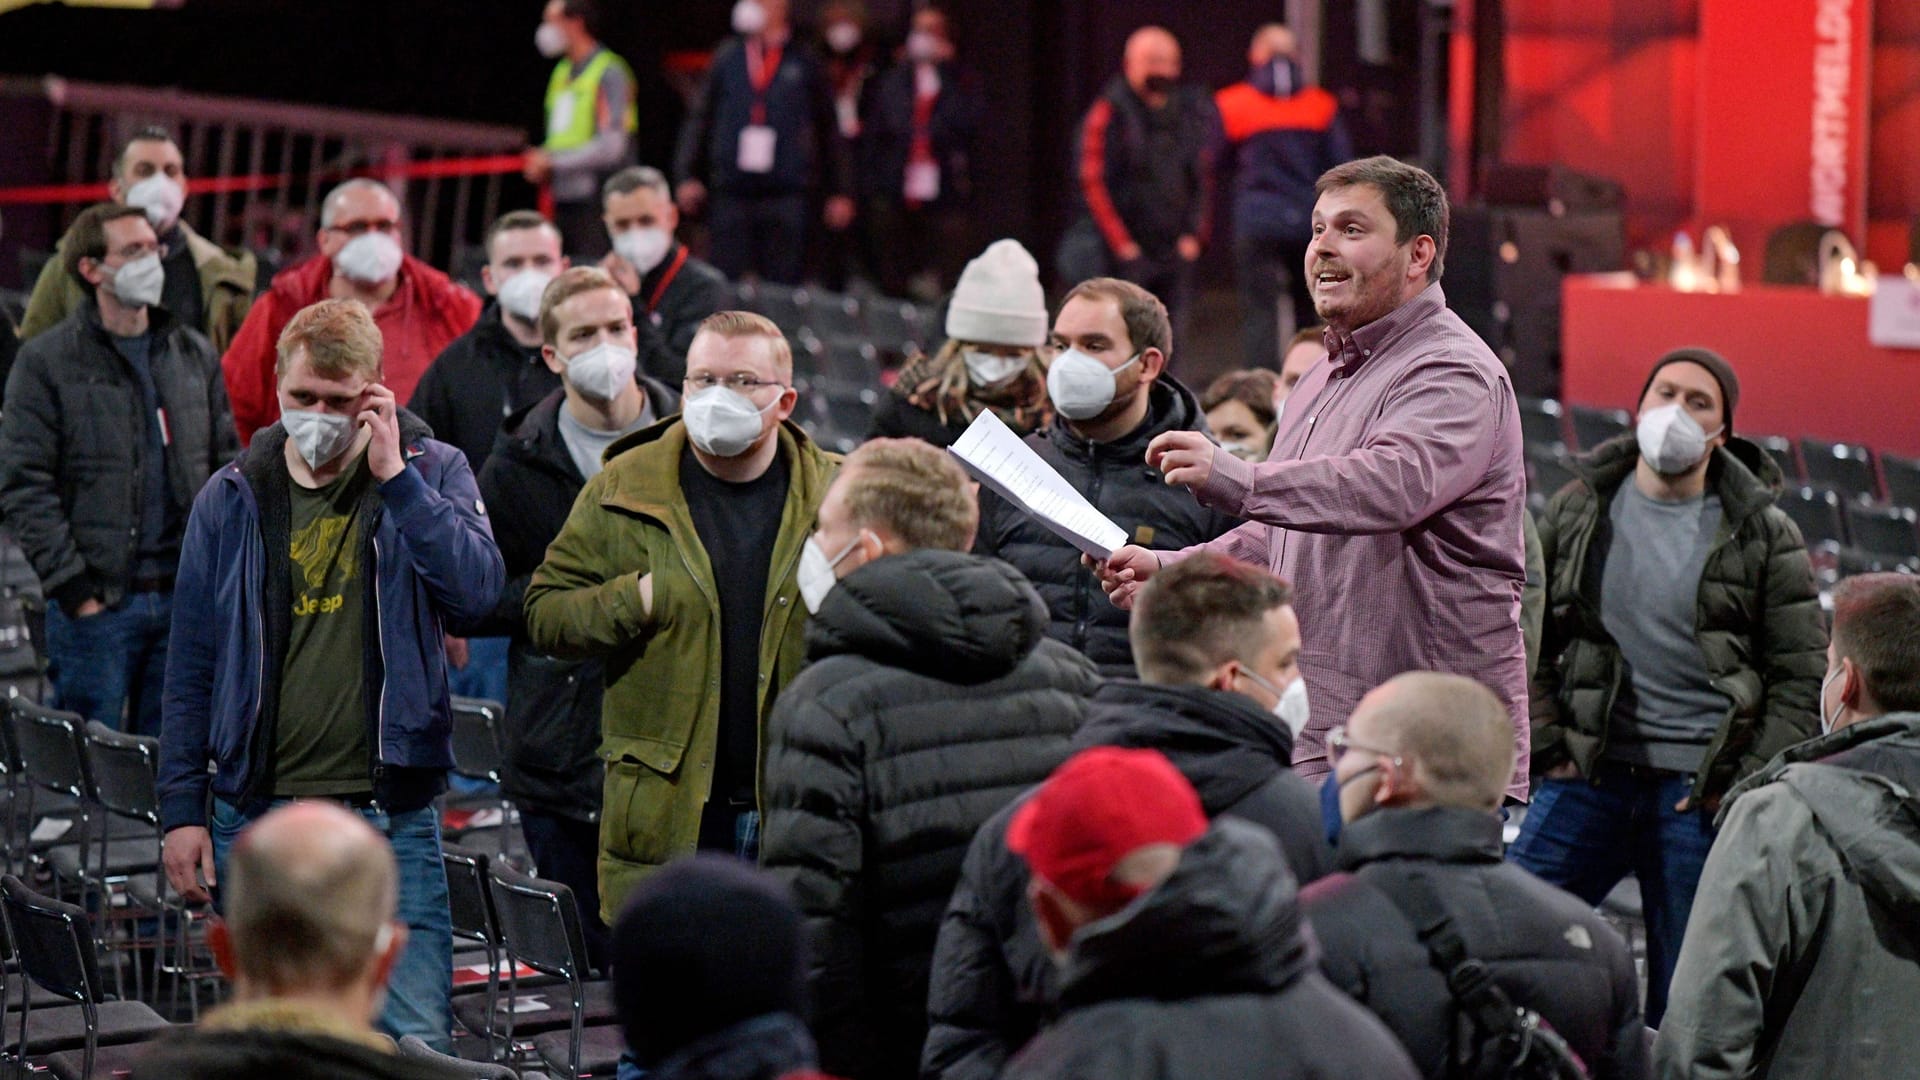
x: 1146, y: 178
x: 591, y: 120
x: 206, y: 286
x: 1281, y: 135
x: 672, y: 292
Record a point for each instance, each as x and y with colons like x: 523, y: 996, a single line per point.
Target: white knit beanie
x: 999, y: 300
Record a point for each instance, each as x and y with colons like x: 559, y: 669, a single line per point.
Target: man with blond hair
x: 306, y: 660
x: 678, y: 568
x: 933, y: 695
x: 309, y: 940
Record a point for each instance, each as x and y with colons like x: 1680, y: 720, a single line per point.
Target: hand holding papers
x: 1004, y: 462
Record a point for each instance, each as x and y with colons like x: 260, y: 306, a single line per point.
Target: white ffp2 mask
x: 1082, y: 387
x: 319, y: 437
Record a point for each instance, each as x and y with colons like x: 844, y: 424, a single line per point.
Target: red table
x: 1805, y: 365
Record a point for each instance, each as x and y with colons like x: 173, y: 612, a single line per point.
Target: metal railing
x: 263, y: 167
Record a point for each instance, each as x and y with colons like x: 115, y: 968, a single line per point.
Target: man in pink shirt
x: 1393, y: 495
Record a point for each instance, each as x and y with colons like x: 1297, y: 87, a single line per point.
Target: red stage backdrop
x: 1783, y: 116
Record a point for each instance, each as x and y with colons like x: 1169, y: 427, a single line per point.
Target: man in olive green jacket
x: 679, y: 567
x: 1681, y: 651
x: 207, y: 287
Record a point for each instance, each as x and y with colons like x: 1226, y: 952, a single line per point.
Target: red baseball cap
x: 1096, y: 809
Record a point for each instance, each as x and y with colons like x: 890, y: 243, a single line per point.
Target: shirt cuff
x: 1228, y: 484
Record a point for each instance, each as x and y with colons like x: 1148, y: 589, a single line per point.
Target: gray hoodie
x: 1803, y: 956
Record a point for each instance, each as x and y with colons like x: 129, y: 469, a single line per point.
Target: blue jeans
x: 485, y: 675
x: 109, y: 667
x: 420, y: 989
x: 1585, y: 837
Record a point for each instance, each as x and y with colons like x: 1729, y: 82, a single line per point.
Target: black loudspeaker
x: 1549, y: 187
x: 1503, y: 271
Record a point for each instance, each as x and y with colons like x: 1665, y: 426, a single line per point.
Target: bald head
x: 1453, y: 734
x: 308, y: 888
x: 1151, y: 63
x: 1270, y: 41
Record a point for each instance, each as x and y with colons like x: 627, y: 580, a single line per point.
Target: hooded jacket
x: 1545, y: 948
x: 933, y: 697
x: 552, y: 730
x: 1117, y: 480
x: 1801, y: 960
x: 427, y: 311
x: 431, y: 562
x: 660, y: 714
x: 994, y: 984
x: 1758, y: 619
x: 1208, y: 975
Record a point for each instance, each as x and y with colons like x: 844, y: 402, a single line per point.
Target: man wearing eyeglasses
x: 679, y: 568
x: 207, y: 287
x: 419, y: 310
x: 114, y: 419
x: 1418, y: 776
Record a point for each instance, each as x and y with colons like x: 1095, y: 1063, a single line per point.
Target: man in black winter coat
x: 114, y: 420
x: 545, y: 455
x: 1217, y: 642
x: 1111, y: 396
x: 495, y: 369
x: 933, y: 696
x: 1181, y: 945
x: 1419, y: 772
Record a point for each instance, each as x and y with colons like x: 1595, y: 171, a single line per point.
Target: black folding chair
x: 1884, y: 530
x: 1845, y: 467
x: 540, y: 928
x: 1817, y: 512
x: 1903, y: 479
x: 1784, y: 455
x: 125, y: 771
x: 412, y: 1047
x: 1542, y: 423
x: 55, y: 947
x: 479, y: 754
x: 1592, y: 426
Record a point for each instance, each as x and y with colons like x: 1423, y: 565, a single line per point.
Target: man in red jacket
x: 418, y: 309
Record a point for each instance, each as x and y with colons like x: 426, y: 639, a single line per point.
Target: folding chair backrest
x: 125, y: 772
x: 53, y: 941
x: 412, y: 1047
x: 539, y: 924
x: 48, y: 741
x: 476, y: 738
x: 469, y: 898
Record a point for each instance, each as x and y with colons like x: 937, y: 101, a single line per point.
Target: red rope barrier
x: 226, y: 185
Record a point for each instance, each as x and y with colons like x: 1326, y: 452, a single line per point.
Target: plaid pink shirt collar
x: 1355, y: 348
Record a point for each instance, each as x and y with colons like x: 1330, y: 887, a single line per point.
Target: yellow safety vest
x: 573, y: 101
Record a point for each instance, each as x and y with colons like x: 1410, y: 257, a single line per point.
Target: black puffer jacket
x: 1546, y: 949
x: 933, y: 697
x: 1117, y: 480
x: 993, y: 983
x: 552, y: 731
x: 478, y: 381
x: 72, y: 440
x: 1759, y: 621
x: 1208, y: 975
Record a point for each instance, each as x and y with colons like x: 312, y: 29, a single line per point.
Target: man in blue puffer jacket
x: 346, y: 537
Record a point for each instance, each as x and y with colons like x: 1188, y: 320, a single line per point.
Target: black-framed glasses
x: 360, y: 228
x: 137, y: 251
x: 1338, y: 745
x: 739, y: 380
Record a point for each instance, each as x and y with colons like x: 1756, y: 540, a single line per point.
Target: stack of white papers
x: 1004, y: 462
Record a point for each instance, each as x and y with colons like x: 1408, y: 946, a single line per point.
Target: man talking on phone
x: 344, y: 541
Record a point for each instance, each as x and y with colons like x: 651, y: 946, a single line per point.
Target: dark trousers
x: 1584, y: 836
x: 567, y: 850
x: 765, y: 235
x: 1271, y: 272
x: 907, y: 242
x: 1083, y: 254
